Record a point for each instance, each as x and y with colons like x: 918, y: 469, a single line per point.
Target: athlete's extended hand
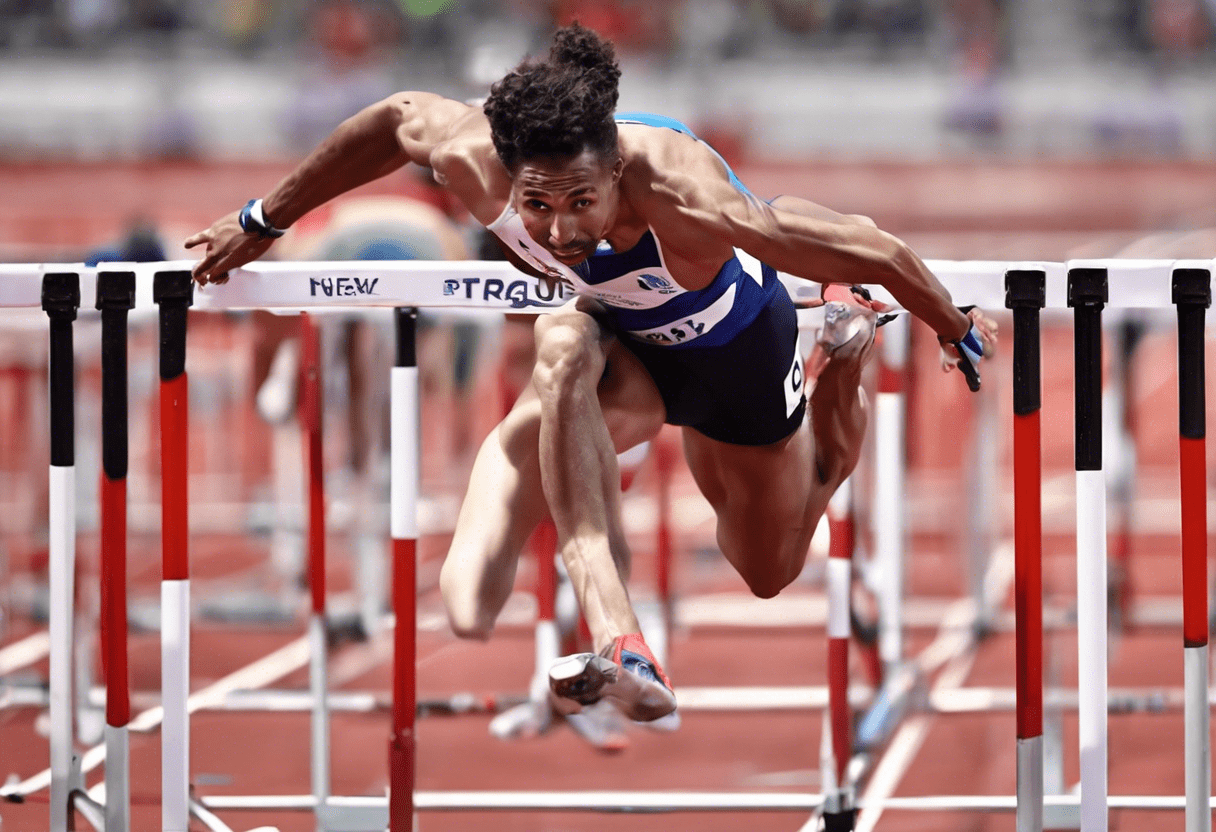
x: 228, y: 247
x: 984, y: 326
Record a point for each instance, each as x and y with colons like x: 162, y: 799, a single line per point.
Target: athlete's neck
x: 627, y: 227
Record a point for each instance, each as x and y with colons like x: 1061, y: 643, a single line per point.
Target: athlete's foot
x: 849, y: 320
x: 625, y: 673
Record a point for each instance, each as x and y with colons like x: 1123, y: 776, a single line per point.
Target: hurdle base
x: 250, y: 607
x: 1057, y: 817
x: 844, y: 821
x: 876, y: 723
x: 91, y: 810
x: 351, y: 818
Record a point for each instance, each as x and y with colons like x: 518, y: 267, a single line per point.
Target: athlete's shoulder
x: 665, y: 164
x: 462, y: 156
x: 424, y: 120
x: 680, y: 188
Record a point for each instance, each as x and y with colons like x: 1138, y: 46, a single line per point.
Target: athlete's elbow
x: 891, y: 262
x: 402, y: 109
x: 397, y: 103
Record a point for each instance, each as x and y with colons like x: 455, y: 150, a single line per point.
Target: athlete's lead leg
x: 596, y: 399
x: 578, y: 465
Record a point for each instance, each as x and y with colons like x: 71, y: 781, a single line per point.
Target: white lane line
x: 260, y: 673
x: 23, y: 653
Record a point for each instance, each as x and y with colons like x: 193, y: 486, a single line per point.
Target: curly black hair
x: 559, y: 106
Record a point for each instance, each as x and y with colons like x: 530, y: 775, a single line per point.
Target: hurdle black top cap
x: 116, y: 290
x: 1192, y: 286
x: 174, y: 285
x: 1087, y: 287
x: 60, y: 292
x: 406, y: 319
x: 1025, y: 287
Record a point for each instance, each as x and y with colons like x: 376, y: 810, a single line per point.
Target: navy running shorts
x: 749, y: 391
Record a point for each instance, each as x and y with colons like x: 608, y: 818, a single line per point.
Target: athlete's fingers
x: 196, y: 239
x: 987, y: 328
x: 208, y: 270
x: 206, y: 263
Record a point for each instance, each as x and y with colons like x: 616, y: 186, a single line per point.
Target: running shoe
x: 847, y: 314
x: 625, y: 673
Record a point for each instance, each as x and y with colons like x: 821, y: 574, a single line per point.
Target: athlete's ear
x: 617, y: 169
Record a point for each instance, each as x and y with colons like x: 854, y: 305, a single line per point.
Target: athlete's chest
x: 637, y: 278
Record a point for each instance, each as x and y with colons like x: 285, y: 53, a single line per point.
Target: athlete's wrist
x: 253, y: 220
x: 962, y: 330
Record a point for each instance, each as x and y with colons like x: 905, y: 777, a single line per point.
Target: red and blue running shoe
x: 625, y: 673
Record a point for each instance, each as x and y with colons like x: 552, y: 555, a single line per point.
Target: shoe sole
x: 843, y: 323
x: 585, y: 678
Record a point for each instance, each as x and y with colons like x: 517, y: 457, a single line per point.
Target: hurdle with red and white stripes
x: 1192, y: 293
x: 173, y: 291
x: 1086, y: 286
x: 115, y: 299
x: 1026, y: 295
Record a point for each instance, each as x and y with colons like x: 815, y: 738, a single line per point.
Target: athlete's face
x: 567, y: 205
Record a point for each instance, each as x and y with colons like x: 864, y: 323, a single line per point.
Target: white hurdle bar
x: 1130, y: 284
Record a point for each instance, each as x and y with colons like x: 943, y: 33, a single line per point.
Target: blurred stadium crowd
x: 268, y: 78
x: 663, y: 30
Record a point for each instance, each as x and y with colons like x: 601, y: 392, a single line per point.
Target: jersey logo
x: 653, y: 282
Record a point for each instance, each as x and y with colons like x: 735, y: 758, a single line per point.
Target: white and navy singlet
x: 725, y: 358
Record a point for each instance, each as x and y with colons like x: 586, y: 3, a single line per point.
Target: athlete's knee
x: 465, y: 616
x: 566, y: 351
x: 766, y: 578
x: 768, y: 583
x: 474, y: 630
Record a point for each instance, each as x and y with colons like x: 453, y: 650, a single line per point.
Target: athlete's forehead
x: 566, y: 175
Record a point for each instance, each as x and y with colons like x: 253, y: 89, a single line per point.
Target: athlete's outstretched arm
x: 403, y: 128
x: 692, y: 199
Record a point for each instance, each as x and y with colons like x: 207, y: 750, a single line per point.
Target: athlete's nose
x: 562, y: 231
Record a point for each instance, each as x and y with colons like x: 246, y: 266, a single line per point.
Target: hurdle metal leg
x: 1025, y: 294
x: 403, y: 498
x: 60, y: 300
x: 1192, y: 293
x: 115, y: 299
x: 1087, y: 294
x: 173, y: 291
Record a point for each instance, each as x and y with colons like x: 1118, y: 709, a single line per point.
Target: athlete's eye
x: 536, y: 205
x: 582, y: 203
